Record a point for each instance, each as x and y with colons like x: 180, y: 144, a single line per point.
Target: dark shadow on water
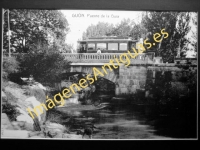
x: 137, y: 122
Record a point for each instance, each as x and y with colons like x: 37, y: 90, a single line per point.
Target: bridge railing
x: 103, y: 57
x: 100, y: 58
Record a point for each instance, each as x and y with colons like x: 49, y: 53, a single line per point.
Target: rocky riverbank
x: 16, y: 122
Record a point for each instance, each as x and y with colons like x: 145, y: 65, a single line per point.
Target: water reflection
x: 117, y: 122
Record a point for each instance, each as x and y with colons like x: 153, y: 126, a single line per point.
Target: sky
x: 79, y: 20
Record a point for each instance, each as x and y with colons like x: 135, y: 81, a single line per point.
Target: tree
x: 182, y: 28
x: 138, y: 31
x: 67, y: 48
x: 32, y: 26
x: 101, y: 29
x: 175, y: 23
x: 45, y: 67
x: 194, y: 21
x: 123, y: 28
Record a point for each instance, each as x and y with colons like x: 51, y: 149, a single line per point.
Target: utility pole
x: 3, y: 11
x: 8, y: 33
x: 2, y: 30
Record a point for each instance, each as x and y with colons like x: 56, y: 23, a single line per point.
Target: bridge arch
x: 111, y: 75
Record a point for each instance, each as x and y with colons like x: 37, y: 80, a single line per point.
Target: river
x: 128, y: 121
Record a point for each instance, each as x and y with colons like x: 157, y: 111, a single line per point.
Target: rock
x: 12, y: 84
x: 72, y: 136
x: 52, y: 133
x: 16, y: 96
x: 24, y: 116
x: 59, y: 130
x: 5, y: 122
x: 35, y: 137
x: 28, y: 127
x: 14, y: 134
x: 35, y: 103
x: 38, y: 92
x: 14, y: 123
x: 4, y: 126
x: 18, y: 123
x: 66, y: 136
x: 17, y: 93
x: 59, y: 135
x: 54, y: 129
x: 57, y: 127
x: 21, y: 123
x: 40, y: 96
x: 40, y: 86
x: 16, y: 127
x: 41, y: 135
x: 4, y: 97
x: 36, y: 133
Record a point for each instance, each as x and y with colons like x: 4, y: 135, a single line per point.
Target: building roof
x: 108, y: 39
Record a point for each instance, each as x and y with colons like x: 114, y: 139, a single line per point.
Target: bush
x: 10, y: 111
x: 10, y: 65
x: 45, y: 67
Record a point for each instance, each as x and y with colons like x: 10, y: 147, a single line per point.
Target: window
x: 101, y: 46
x: 112, y: 46
x: 82, y: 48
x: 123, y: 46
x: 91, y: 46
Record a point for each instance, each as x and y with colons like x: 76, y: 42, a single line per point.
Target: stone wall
x: 180, y: 78
x: 111, y: 75
x: 131, y: 78
x: 143, y: 77
x: 138, y: 76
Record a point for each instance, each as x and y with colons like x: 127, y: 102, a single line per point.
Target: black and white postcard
x: 99, y: 74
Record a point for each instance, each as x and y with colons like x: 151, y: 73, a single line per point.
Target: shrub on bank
x: 10, y: 65
x: 10, y: 110
x: 45, y: 67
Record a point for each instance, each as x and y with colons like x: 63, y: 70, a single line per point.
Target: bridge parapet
x: 103, y: 57
x: 143, y: 58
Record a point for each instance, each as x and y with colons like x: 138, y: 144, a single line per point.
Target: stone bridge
x: 142, y: 69
x: 112, y: 75
x: 128, y: 80
x: 84, y: 62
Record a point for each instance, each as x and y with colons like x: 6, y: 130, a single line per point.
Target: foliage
x: 10, y: 65
x: 67, y: 48
x: 177, y: 26
x: 138, y: 31
x: 45, y: 67
x: 194, y: 20
x: 31, y: 26
x: 101, y: 29
x: 123, y: 28
x: 105, y: 29
x: 10, y: 111
x: 169, y: 91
